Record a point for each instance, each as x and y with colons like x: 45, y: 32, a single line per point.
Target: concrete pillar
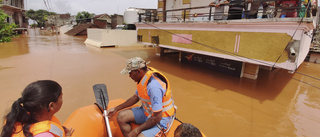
x: 250, y: 71
x: 160, y: 51
x: 315, y: 58
x: 20, y: 19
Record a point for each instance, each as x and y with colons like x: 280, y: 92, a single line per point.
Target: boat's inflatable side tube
x: 88, y: 121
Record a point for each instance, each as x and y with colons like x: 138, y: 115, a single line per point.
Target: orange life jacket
x: 168, y: 107
x: 53, y: 126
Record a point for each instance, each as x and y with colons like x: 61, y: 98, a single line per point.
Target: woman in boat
x: 33, y: 113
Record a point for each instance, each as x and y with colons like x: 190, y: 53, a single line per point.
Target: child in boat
x: 187, y: 130
x: 33, y: 113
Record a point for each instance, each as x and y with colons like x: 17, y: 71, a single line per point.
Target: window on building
x: 186, y: 2
x: 160, y: 16
x: 155, y: 39
x: 160, y: 4
x: 8, y: 19
x: 140, y: 38
x: 187, y: 14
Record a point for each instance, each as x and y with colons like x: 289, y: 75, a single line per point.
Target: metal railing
x: 208, y: 13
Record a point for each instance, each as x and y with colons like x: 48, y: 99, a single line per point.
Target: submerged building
x: 239, y: 47
x: 15, y: 10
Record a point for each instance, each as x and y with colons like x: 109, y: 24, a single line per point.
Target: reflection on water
x: 42, y: 40
x: 16, y: 47
x: 220, y: 105
x: 305, y: 112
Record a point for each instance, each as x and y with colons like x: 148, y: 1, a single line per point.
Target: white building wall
x: 178, y: 4
x: 107, y: 37
x: 304, y: 48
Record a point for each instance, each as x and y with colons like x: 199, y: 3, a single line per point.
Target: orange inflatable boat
x: 88, y: 121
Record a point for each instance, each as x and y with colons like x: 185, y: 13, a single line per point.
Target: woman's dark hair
x: 35, y: 97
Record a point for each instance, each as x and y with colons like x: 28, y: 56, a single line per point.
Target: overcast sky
x: 92, y: 6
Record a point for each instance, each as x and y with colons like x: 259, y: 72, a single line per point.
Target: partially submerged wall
x: 260, y: 42
x: 107, y: 37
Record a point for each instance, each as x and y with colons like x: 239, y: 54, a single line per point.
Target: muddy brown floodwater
x: 277, y: 104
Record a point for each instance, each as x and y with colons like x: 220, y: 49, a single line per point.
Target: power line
x: 49, y: 5
x: 26, y: 7
x: 308, y: 76
x: 45, y: 3
x: 300, y: 80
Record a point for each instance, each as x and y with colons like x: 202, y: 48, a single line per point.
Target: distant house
x: 60, y: 20
x: 15, y: 10
x: 102, y: 21
x: 145, y: 15
x: 116, y: 20
x: 106, y: 21
x: 81, y: 29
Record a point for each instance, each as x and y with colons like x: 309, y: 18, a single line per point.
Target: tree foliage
x: 6, y: 32
x: 40, y: 16
x: 82, y: 16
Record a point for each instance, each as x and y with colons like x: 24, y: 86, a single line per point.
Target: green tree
x: 82, y: 16
x: 40, y: 16
x: 6, y: 29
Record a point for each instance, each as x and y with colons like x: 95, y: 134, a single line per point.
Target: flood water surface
x: 276, y: 104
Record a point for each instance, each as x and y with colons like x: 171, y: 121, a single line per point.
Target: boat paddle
x: 101, y: 94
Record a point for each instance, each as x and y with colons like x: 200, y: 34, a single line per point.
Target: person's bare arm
x: 131, y: 101
x: 225, y: 2
x: 222, y: 4
x: 212, y: 4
